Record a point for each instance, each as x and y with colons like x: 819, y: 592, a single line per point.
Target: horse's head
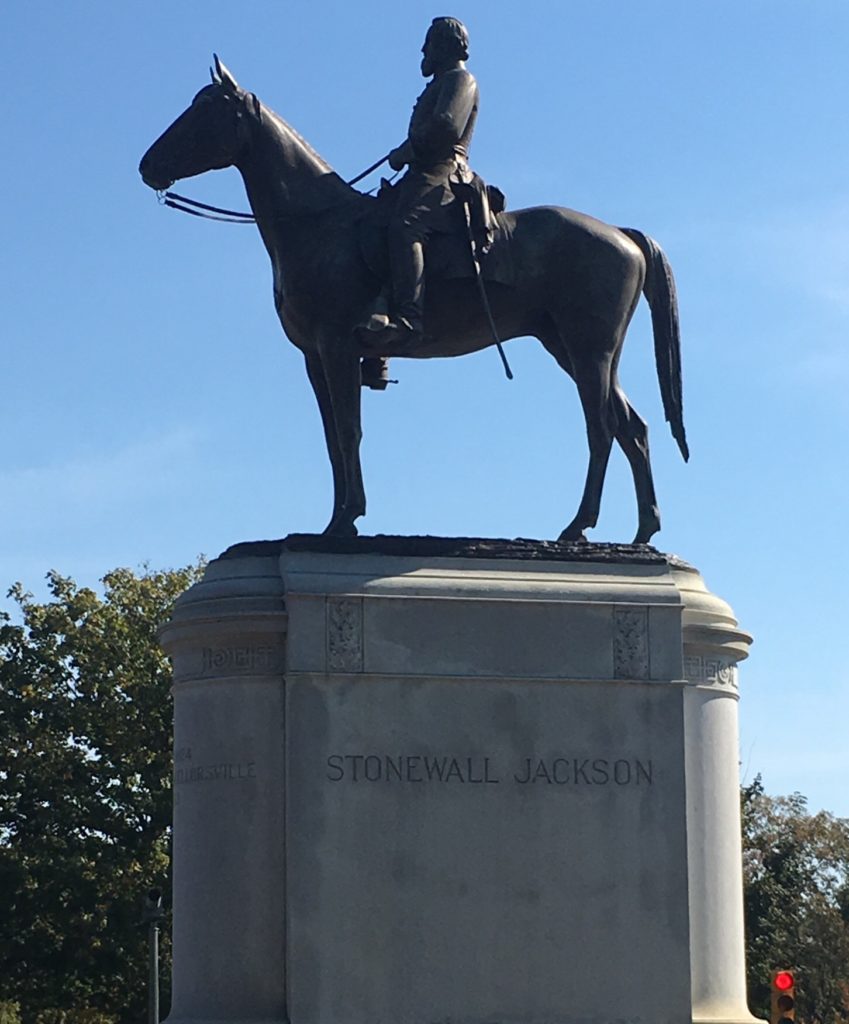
x: 207, y: 136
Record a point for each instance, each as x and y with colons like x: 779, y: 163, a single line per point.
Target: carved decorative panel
x: 344, y: 634
x: 631, y: 643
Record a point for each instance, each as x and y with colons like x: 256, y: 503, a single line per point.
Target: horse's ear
x: 224, y: 75
x: 215, y: 79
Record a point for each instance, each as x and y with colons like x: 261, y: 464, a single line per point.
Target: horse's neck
x: 286, y: 180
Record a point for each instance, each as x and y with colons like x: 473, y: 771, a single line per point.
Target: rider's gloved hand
x: 400, y: 156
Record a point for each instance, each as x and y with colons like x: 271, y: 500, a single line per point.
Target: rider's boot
x: 408, y: 286
x: 402, y: 332
x: 398, y: 337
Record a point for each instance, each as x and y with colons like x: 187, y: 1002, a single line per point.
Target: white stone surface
x: 478, y: 791
x: 549, y: 855
x: 226, y: 640
x: 712, y: 647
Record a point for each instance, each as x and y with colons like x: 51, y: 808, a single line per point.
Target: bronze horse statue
x: 575, y: 285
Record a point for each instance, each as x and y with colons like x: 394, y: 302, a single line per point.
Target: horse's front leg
x: 315, y: 373
x: 336, y: 367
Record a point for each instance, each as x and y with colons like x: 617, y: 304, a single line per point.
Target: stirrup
x: 374, y: 373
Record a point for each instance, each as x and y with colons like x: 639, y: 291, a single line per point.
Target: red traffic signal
x: 783, y: 1003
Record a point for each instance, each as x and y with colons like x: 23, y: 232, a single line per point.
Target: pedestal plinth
x: 430, y: 781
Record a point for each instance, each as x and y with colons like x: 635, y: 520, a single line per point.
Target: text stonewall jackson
x: 553, y: 771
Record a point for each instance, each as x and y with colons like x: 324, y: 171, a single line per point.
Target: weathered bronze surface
x: 435, y: 154
x: 554, y: 274
x: 519, y: 549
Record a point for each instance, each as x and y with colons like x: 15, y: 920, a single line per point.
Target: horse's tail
x: 659, y: 290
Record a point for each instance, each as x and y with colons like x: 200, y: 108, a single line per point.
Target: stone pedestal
x: 433, y: 781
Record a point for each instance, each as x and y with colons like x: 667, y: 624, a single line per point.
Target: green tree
x: 796, y: 891
x: 85, y: 794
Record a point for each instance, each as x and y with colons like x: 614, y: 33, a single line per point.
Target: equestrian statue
x: 433, y: 266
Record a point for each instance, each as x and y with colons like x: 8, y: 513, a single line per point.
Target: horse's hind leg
x: 593, y: 381
x: 633, y: 438
x: 593, y: 377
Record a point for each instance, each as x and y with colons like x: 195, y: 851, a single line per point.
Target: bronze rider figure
x: 435, y: 153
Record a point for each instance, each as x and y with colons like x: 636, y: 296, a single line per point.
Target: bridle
x: 196, y: 209
x: 184, y: 205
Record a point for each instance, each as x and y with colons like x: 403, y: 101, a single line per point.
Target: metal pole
x: 152, y: 914
x: 153, y: 979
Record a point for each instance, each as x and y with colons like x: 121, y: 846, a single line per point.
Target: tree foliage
x: 796, y: 890
x: 85, y: 794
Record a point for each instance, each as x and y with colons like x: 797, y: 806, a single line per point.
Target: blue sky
x: 153, y: 410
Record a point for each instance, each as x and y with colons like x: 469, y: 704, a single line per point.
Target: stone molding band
x: 711, y: 671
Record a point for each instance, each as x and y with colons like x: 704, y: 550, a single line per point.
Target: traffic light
x: 783, y: 1003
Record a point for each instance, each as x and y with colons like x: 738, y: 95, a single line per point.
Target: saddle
x: 448, y: 253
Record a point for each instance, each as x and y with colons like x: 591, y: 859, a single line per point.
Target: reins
x: 196, y: 209
x: 184, y: 204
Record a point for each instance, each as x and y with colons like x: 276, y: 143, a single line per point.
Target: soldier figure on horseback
x: 435, y: 152
x: 573, y: 281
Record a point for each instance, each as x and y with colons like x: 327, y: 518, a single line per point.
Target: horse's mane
x: 346, y: 193
x: 286, y: 129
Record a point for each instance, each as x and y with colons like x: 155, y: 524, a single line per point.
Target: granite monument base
x: 422, y: 781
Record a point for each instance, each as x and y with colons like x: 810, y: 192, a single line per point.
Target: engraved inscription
x: 590, y: 771
x: 710, y: 671
x: 225, y: 771
x: 222, y: 660
x: 344, y: 634
x: 409, y: 768
x: 552, y: 771
x: 631, y: 643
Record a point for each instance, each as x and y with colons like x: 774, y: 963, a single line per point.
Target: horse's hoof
x: 647, y: 530
x: 643, y: 536
x: 340, y: 528
x: 571, y: 535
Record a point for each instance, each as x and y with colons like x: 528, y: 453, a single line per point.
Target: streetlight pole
x: 152, y: 914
